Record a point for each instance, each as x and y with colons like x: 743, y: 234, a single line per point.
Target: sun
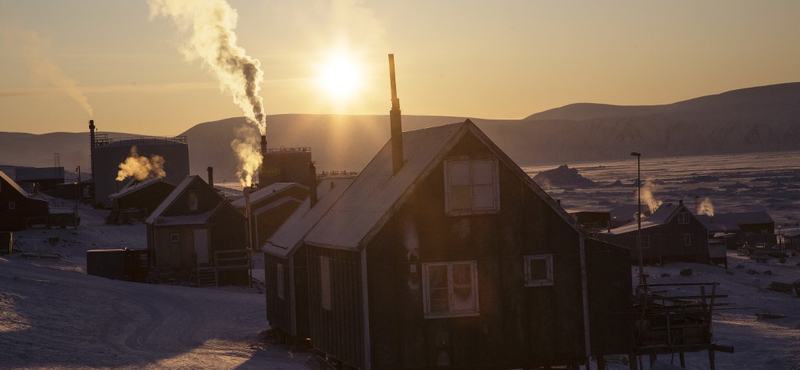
x: 340, y: 77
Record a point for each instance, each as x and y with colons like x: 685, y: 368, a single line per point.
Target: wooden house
x: 285, y: 260
x: 671, y: 233
x: 196, y: 233
x: 270, y: 206
x: 18, y: 210
x: 443, y: 253
x: 735, y: 229
x: 138, y: 199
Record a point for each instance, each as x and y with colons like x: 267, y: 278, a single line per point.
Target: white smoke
x: 141, y: 168
x: 248, y: 149
x: 35, y: 51
x: 706, y: 208
x: 647, y: 196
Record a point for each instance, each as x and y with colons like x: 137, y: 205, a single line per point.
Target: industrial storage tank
x: 109, y: 153
x: 284, y: 165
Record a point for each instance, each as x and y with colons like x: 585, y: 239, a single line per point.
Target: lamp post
x: 642, y: 280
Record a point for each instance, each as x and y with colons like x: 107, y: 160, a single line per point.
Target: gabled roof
x: 265, y: 192
x: 730, y: 222
x: 198, y: 219
x: 285, y: 241
x: 133, y: 186
x: 13, y: 184
x: 180, y: 189
x: 375, y: 195
x: 663, y: 215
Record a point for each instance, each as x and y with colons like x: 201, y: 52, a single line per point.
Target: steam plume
x: 209, y: 25
x: 248, y: 149
x: 140, y: 167
x: 35, y: 50
x: 647, y: 196
x: 706, y: 208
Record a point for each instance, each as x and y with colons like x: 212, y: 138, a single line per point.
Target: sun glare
x: 340, y: 77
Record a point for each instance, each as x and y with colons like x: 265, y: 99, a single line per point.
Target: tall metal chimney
x: 91, y: 146
x: 396, y: 126
x: 210, y: 176
x: 312, y: 183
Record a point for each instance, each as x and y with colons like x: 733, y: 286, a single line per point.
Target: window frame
x: 687, y: 240
x: 12, y: 206
x: 174, y: 237
x: 473, y: 185
x: 426, y: 290
x: 193, y: 200
x: 683, y: 218
x: 548, y: 280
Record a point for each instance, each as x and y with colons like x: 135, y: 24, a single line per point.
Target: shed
x: 671, y: 233
x: 458, y: 259
x: 137, y: 199
x: 196, y: 235
x: 119, y: 264
x: 270, y: 206
x: 19, y: 210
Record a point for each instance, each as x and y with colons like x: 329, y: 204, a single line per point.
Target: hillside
x: 748, y: 120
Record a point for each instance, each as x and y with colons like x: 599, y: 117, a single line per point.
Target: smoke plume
x: 141, y: 168
x: 706, y: 208
x: 209, y: 25
x: 248, y: 149
x: 647, y: 196
x: 35, y: 51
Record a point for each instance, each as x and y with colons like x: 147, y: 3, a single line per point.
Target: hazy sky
x: 484, y: 59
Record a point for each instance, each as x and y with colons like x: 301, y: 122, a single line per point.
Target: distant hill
x: 741, y: 121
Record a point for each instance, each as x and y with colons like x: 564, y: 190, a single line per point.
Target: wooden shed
x: 195, y: 234
x: 285, y: 261
x: 671, y: 233
x: 18, y: 210
x: 270, y: 206
x: 443, y: 253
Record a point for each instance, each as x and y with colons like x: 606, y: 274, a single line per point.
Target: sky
x: 503, y: 59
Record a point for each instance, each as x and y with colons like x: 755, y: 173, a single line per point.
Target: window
x: 683, y: 217
x: 539, y: 270
x: 175, y: 237
x: 279, y: 270
x: 687, y: 239
x: 325, y: 282
x: 193, y: 201
x: 471, y: 186
x: 645, y: 241
x: 12, y: 205
x: 450, y: 289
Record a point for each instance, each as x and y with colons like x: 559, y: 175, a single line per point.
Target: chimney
x: 312, y: 183
x: 91, y: 145
x: 680, y: 202
x: 396, y: 126
x: 210, y: 176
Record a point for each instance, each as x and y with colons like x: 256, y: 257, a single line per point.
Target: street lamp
x: 642, y: 280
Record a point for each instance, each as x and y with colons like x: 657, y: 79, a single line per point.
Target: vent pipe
x: 396, y: 126
x: 312, y: 183
x: 210, y: 176
x: 91, y: 145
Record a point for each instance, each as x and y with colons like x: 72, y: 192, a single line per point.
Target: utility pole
x: 642, y: 279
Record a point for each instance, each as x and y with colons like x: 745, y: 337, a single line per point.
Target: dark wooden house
x: 735, y: 229
x: 443, y: 253
x: 195, y: 233
x: 18, y: 210
x: 138, y: 199
x: 286, y: 262
x: 671, y: 233
x: 270, y: 206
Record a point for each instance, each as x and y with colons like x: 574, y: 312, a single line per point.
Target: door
x: 201, y: 245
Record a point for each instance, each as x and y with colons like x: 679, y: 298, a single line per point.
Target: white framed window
x: 194, y: 202
x: 538, y: 270
x: 325, y: 282
x: 471, y: 186
x: 683, y: 217
x: 175, y: 237
x: 687, y: 239
x: 280, y: 282
x: 12, y: 205
x: 450, y: 289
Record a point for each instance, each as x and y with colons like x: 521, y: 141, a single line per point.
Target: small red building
x: 18, y: 210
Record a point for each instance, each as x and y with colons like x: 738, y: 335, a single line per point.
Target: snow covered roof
x: 264, y: 192
x: 288, y: 237
x: 661, y: 216
x: 132, y: 186
x: 729, y: 222
x: 180, y: 189
x: 13, y: 184
x: 374, y: 196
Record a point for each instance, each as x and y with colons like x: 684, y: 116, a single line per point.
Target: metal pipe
x: 396, y: 126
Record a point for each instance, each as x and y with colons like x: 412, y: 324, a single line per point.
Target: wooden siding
x: 146, y: 199
x: 266, y: 223
x: 278, y: 310
x: 610, y: 307
x: 667, y: 242
x: 340, y: 331
x: 26, y: 210
x: 517, y: 326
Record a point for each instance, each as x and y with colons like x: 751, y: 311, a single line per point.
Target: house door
x: 201, y: 245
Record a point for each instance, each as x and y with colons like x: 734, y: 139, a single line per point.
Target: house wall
x: 25, y: 209
x: 279, y: 311
x: 667, y: 242
x: 174, y: 255
x: 518, y: 326
x: 267, y: 222
x: 147, y: 199
x: 608, y: 270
